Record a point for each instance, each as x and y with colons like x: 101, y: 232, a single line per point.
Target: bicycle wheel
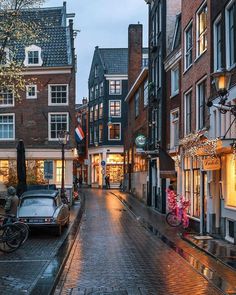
x: 24, y: 230
x: 11, y: 238
x: 173, y: 220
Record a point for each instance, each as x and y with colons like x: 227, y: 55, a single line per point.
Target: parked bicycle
x: 13, y: 233
x: 178, y: 208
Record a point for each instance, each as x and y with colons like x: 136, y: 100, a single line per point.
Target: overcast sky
x: 102, y: 23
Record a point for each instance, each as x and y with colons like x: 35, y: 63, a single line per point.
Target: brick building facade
x: 46, y: 106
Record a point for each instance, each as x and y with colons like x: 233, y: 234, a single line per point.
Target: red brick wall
x: 31, y: 115
x: 201, y: 65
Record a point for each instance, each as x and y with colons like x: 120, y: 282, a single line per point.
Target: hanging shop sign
x: 211, y: 164
x: 140, y: 141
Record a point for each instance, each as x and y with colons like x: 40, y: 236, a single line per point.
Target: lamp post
x: 221, y: 79
x: 63, y: 138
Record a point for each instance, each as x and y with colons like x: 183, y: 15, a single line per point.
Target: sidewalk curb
x: 207, y: 252
x: 49, y: 278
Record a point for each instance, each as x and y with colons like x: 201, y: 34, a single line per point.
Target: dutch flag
x: 79, y: 134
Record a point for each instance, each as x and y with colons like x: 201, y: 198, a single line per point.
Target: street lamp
x: 63, y: 138
x: 221, y: 79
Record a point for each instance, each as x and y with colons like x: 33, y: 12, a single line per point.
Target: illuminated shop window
x: 230, y: 181
x: 4, y: 168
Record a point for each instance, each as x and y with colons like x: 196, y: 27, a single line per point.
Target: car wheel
x: 59, y: 230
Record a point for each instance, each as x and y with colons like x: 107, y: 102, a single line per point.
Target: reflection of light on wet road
x: 113, y: 252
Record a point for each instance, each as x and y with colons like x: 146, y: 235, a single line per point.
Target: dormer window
x: 4, y: 56
x: 33, y: 56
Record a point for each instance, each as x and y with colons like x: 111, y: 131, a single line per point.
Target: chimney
x: 84, y: 100
x: 135, y: 44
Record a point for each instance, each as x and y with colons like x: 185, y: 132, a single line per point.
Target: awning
x: 167, y: 165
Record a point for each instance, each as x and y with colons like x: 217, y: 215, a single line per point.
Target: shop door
x: 115, y: 172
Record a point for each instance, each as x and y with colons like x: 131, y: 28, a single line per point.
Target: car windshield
x: 48, y: 202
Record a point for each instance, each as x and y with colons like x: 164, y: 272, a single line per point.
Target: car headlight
x: 48, y: 220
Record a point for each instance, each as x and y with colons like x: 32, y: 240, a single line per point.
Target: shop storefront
x: 105, y: 161
x: 114, y: 168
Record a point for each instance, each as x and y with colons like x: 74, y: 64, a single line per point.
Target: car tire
x: 59, y: 230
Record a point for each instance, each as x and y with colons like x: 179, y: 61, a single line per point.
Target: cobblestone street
x: 114, y: 254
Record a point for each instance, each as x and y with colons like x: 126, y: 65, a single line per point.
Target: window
x: 115, y: 87
x: 202, y: 30
x: 6, y: 97
x: 145, y: 61
x: 33, y: 56
x: 7, y: 127
x: 230, y: 34
x: 115, y: 108
x: 100, y: 110
x: 145, y: 93
x: 114, y: 132
x: 136, y: 104
x: 5, y: 57
x: 188, y: 112
x: 174, y: 81
x: 217, y: 44
x: 91, y: 93
x: 101, y: 89
x: 174, y: 129
x: 96, y: 112
x: 201, y: 97
x: 196, y: 193
x: 96, y: 91
x: 100, y: 132
x: 91, y: 135
x: 31, y: 91
x: 96, y: 71
x: 4, y: 170
x: 188, y: 54
x: 91, y: 114
x: 158, y: 68
x: 95, y: 134
x: 59, y: 171
x: 57, y: 122
x: 230, y: 180
x: 58, y: 94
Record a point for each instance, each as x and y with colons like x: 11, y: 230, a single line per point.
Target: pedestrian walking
x: 107, y: 181
x: 11, y: 204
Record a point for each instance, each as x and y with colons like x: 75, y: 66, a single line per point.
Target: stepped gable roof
x: 54, y: 39
x: 115, y: 60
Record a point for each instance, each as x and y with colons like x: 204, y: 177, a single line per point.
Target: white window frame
x: 14, y: 127
x: 215, y: 38
x: 198, y: 37
x: 116, y: 139
x: 49, y: 123
x: 197, y: 102
x: 29, y: 49
x: 101, y: 89
x: 114, y: 100
x: 91, y: 93
x: 13, y: 99
x: 27, y: 92
x: 7, y: 51
x: 173, y: 76
x: 50, y: 96
x: 190, y: 25
x: 115, y: 80
x: 172, y: 129
x: 185, y: 117
x: 229, y: 66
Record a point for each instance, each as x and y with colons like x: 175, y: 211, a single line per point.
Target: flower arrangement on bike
x: 178, y: 209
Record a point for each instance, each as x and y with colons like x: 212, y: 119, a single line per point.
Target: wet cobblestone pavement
x: 114, y: 254
x: 21, y: 270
